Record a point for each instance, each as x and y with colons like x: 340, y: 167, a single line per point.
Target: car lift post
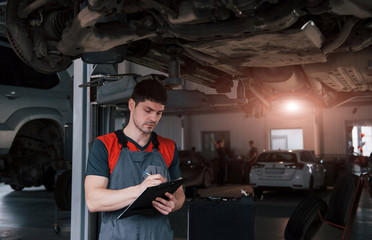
x: 81, y: 127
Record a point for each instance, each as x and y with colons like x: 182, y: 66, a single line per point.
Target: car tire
x: 16, y: 187
x: 62, y: 192
x: 258, y: 192
x: 207, y: 179
x: 342, y: 198
x: 305, y: 221
x: 191, y: 192
x: 49, y: 179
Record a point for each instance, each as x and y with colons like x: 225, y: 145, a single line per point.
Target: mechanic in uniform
x: 222, y: 160
x: 252, y: 155
x: 121, y: 165
x: 253, y: 152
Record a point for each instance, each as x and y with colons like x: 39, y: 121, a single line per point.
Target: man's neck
x: 138, y: 136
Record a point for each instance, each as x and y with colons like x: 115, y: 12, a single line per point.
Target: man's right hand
x: 152, y: 180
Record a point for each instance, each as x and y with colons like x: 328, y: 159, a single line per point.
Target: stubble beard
x: 144, y: 129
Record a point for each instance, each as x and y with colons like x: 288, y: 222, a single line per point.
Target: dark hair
x: 251, y: 142
x: 151, y: 90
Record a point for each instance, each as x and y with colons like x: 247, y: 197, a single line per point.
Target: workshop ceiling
x: 310, y: 49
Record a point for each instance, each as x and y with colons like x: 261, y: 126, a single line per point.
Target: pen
x: 148, y: 174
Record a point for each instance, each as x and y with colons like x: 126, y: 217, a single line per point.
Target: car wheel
x: 258, y: 192
x: 191, y: 192
x: 342, y: 198
x: 16, y: 187
x: 49, y: 182
x: 207, y: 179
x: 62, y: 193
x: 305, y: 221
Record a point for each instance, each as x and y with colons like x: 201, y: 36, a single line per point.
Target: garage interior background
x: 325, y: 130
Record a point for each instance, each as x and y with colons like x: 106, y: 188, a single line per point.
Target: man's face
x: 146, y: 115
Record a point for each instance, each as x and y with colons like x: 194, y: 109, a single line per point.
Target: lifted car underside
x: 313, y: 49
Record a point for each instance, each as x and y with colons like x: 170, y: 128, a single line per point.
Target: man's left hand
x: 165, y: 206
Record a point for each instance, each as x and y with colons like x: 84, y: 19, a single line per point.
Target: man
x: 123, y: 164
x: 253, y: 153
x: 222, y: 160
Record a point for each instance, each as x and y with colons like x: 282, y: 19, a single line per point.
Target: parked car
x: 35, y: 108
x: 298, y: 169
x: 197, y: 170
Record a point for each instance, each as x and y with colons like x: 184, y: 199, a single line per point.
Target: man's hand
x: 151, y: 180
x: 165, y: 206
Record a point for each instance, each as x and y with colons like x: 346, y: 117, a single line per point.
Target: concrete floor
x: 31, y: 214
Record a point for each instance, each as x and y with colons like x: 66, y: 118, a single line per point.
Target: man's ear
x: 131, y: 104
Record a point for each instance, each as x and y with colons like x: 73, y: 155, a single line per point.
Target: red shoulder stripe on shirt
x: 113, y: 148
x: 166, y: 149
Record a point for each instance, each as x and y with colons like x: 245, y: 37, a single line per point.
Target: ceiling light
x: 292, y: 106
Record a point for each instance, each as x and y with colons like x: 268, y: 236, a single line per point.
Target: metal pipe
x: 344, y: 34
x: 280, y: 18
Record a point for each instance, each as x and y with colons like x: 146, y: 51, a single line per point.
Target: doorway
x: 362, y: 139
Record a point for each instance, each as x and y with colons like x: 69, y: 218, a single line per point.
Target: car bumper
x: 296, y: 182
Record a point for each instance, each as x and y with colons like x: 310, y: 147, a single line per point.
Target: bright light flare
x: 292, y: 106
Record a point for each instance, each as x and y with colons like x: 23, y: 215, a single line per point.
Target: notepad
x: 143, y: 204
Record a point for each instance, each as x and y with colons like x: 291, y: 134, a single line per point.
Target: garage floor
x: 31, y: 214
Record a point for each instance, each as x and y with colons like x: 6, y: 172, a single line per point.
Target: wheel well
x: 208, y: 172
x: 43, y: 135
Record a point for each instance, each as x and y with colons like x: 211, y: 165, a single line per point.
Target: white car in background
x: 297, y: 169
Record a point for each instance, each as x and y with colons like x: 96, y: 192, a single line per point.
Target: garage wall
x: 324, y: 131
x: 171, y: 127
x: 305, y: 121
x: 334, y: 124
x: 243, y: 129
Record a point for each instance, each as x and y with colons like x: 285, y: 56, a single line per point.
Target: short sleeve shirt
x: 105, y: 151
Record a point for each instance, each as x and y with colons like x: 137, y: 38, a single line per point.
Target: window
x: 306, y: 157
x: 283, y: 139
x: 362, y: 139
x: 277, y: 157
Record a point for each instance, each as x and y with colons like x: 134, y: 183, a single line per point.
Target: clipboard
x: 143, y: 204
